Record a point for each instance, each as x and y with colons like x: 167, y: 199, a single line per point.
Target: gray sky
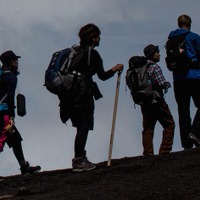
x: 36, y: 29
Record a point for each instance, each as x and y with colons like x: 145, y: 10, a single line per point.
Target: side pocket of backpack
x: 21, y: 105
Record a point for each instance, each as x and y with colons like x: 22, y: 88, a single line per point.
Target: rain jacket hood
x: 192, y: 41
x: 178, y: 32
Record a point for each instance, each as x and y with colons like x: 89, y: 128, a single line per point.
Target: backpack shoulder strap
x: 2, y: 72
x: 3, y: 98
x: 89, y: 55
x: 150, y: 64
x: 69, y: 59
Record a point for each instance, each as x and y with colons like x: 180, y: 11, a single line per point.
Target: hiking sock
x: 18, y: 152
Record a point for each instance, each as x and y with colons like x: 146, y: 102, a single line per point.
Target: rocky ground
x: 173, y: 177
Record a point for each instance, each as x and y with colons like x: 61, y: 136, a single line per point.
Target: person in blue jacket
x: 186, y: 84
x: 8, y: 131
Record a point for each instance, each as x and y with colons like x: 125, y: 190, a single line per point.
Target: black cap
x: 7, y: 56
x: 150, y: 50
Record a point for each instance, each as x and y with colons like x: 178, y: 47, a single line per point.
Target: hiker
x: 157, y: 109
x: 80, y: 107
x: 186, y: 83
x: 8, y: 131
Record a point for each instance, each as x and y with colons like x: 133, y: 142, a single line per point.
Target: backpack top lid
x: 137, y: 61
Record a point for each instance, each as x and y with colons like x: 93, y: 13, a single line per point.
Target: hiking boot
x: 27, y: 169
x: 82, y: 164
x: 195, y: 139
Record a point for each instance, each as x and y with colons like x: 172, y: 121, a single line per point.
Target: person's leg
x: 80, y: 142
x: 195, y: 127
x: 183, y: 95
x: 80, y: 161
x: 149, y: 121
x: 194, y: 84
x: 166, y: 120
x: 14, y: 141
x: 18, y: 152
x: 82, y: 118
x: 2, y: 140
x: 4, y: 121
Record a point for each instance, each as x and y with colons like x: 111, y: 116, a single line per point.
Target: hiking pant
x: 80, y: 142
x: 184, y: 90
x: 152, y: 113
x: 13, y: 140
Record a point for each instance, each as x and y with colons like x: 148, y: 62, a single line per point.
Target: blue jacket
x: 192, y: 42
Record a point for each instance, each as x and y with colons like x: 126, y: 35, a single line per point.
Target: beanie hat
x: 150, y: 50
x: 7, y: 56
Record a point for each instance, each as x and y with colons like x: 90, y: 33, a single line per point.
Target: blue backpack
x: 57, y: 76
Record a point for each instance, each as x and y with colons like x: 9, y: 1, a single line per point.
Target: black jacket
x: 8, y: 85
x: 79, y: 105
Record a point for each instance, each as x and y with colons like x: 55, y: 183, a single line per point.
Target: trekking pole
x: 114, y: 119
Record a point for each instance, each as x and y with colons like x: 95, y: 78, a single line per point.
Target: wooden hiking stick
x: 114, y: 119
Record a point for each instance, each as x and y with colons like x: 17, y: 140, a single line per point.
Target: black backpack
x: 138, y: 80
x: 175, y: 59
x: 59, y: 75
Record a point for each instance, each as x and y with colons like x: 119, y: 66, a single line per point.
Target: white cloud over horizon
x: 36, y: 29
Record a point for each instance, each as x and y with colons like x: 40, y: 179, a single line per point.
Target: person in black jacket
x: 8, y: 131
x: 79, y: 108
